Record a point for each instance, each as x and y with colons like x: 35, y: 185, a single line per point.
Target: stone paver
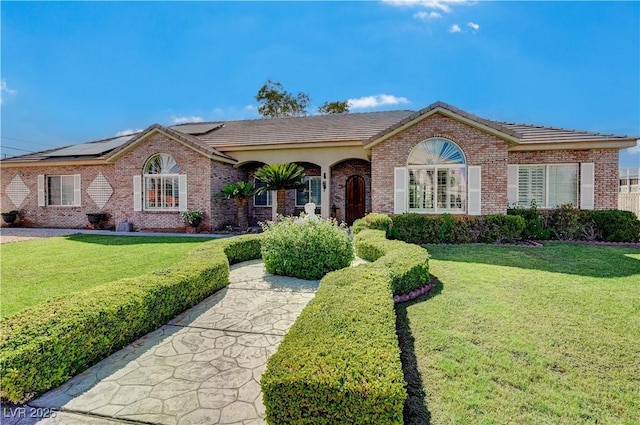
x: 203, y: 367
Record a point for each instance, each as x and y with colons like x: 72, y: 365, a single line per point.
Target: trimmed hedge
x: 407, y: 264
x: 45, y: 345
x: 376, y: 221
x: 340, y: 362
x: 305, y: 248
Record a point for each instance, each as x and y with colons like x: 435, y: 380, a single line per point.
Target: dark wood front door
x: 355, y: 197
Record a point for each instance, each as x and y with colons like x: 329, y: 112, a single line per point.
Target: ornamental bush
x: 305, y: 248
x: 376, y: 221
x: 615, y: 225
x: 340, y: 361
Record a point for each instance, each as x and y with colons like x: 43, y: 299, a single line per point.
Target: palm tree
x: 240, y: 193
x: 281, y: 177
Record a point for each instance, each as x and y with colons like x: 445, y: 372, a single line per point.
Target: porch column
x: 325, y: 197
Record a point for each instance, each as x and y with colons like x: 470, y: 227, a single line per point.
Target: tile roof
x: 311, y: 129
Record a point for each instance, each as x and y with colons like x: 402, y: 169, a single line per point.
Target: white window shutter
x: 137, y: 193
x: 41, y: 194
x: 400, y: 190
x: 587, y: 178
x: 475, y: 192
x: 77, y: 190
x: 182, y: 190
x: 512, y: 184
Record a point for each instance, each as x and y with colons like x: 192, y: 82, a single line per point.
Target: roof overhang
x: 578, y: 145
x: 438, y: 108
x: 296, y: 145
x: 54, y: 163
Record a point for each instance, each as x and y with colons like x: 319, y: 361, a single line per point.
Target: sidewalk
x: 203, y: 367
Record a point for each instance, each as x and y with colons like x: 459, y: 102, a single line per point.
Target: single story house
x: 436, y: 160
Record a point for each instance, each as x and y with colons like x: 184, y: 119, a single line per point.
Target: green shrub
x: 616, y: 225
x: 502, y: 228
x: 407, y: 264
x: 566, y: 222
x: 377, y: 221
x: 536, y: 223
x: 242, y: 248
x: 340, y: 362
x: 304, y: 248
x: 45, y: 345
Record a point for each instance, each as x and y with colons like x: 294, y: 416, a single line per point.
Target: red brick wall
x: 339, y: 175
x: 479, y: 148
x: 606, y: 169
x: 205, y: 178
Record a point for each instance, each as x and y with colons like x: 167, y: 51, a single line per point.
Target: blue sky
x: 74, y: 71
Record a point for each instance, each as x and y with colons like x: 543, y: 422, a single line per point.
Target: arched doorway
x: 355, y: 199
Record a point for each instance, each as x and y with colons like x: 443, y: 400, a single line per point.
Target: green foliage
x: 305, y: 248
x: 421, y: 229
x: 276, y: 102
x: 243, y: 248
x: 377, y: 221
x: 502, y: 228
x: 565, y: 222
x: 283, y: 176
x: 616, y: 225
x: 536, y: 222
x: 45, y: 345
x: 406, y: 264
x: 337, y: 107
x: 237, y: 191
x: 191, y: 215
x: 340, y: 362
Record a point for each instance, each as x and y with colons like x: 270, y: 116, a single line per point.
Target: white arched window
x: 437, y: 175
x: 163, y: 185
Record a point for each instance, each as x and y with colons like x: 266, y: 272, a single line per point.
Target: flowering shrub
x: 305, y: 248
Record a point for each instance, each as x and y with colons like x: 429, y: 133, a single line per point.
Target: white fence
x: 629, y: 202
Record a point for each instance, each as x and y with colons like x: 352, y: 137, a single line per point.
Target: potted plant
x: 10, y: 217
x: 95, y: 218
x: 193, y: 217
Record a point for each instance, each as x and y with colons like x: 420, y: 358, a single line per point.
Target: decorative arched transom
x: 436, y: 152
x: 161, y: 163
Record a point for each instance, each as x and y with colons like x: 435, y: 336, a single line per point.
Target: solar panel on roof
x: 196, y: 128
x: 91, y: 148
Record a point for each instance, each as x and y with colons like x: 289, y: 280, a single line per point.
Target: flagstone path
x: 203, y: 367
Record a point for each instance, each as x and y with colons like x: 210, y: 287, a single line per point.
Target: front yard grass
x: 525, y: 335
x: 34, y: 271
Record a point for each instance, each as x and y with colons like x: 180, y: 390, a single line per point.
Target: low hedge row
x: 445, y: 228
x: 45, y: 345
x: 569, y: 223
x: 340, y: 362
x: 407, y: 264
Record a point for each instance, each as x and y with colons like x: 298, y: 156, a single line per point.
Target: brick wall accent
x: 479, y: 148
x: 606, y: 169
x: 205, y: 178
x: 339, y: 175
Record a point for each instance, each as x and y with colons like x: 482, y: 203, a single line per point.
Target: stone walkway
x: 203, y: 367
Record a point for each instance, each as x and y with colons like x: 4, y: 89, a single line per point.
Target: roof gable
x: 183, y: 138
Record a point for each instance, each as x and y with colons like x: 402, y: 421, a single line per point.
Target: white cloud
x: 128, y: 132
x: 636, y: 149
x: 375, y: 101
x: 184, y: 119
x: 474, y: 26
x: 455, y: 28
x: 423, y: 16
x: 441, y: 5
x: 4, y: 88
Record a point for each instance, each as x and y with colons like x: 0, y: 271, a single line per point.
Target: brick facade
x: 479, y: 148
x: 205, y: 178
x: 606, y: 169
x: 339, y: 175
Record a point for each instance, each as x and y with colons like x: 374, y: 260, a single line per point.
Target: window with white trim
x: 437, y: 178
x: 264, y: 199
x: 63, y: 191
x: 311, y: 193
x: 549, y: 186
x: 161, y: 184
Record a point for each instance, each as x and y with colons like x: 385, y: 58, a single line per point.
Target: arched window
x: 437, y: 177
x: 162, y: 183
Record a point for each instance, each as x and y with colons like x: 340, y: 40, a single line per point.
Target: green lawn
x: 34, y: 271
x: 525, y: 336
